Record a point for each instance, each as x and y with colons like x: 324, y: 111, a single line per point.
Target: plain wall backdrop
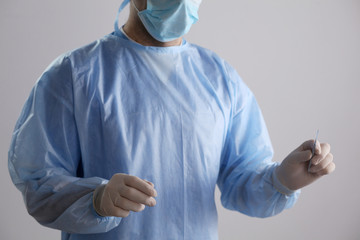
x: 301, y: 58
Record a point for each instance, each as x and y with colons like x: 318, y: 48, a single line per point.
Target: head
x: 164, y: 21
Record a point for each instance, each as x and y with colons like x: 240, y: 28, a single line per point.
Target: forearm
x: 81, y: 218
x: 64, y: 202
x: 255, y: 194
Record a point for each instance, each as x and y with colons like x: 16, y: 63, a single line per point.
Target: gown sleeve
x: 246, y: 179
x: 45, y: 158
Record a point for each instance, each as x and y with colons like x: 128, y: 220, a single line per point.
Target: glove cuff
x: 98, y: 192
x: 281, y: 188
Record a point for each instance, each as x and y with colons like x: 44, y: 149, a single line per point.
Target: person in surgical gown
x: 127, y: 137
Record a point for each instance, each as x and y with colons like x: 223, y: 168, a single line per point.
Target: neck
x: 137, y: 32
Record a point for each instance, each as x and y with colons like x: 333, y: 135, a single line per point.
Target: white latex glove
x: 293, y: 171
x: 122, y: 194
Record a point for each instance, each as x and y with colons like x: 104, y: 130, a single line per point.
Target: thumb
x: 307, y: 145
x: 301, y: 156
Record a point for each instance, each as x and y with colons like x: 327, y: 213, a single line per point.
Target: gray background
x: 301, y: 58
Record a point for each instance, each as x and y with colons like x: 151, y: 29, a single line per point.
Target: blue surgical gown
x: 180, y: 117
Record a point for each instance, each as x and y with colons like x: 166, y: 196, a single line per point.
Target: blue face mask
x: 167, y: 20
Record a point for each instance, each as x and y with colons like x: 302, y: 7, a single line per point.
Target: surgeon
x: 127, y: 137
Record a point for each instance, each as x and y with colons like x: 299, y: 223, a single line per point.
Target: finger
x: 137, y: 196
x: 317, y: 148
x: 318, y: 157
x: 325, y: 149
x: 141, y: 185
x: 155, y: 192
x: 322, y: 165
x: 329, y: 169
x: 128, y: 205
x: 115, y: 212
x: 148, y: 182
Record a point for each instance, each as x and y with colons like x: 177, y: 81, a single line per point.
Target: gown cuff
x: 281, y: 188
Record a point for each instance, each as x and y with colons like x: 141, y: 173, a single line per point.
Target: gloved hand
x: 122, y: 194
x: 293, y: 171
